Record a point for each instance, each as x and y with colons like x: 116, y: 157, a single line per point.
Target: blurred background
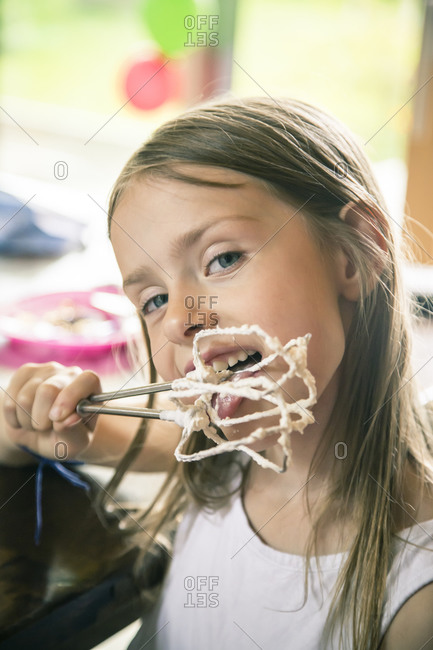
x: 357, y: 58
x: 65, y: 66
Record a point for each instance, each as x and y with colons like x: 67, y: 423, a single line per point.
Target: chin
x: 233, y: 433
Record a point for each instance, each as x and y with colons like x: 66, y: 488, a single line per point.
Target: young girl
x: 263, y: 212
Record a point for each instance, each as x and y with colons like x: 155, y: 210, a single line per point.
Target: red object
x: 149, y: 82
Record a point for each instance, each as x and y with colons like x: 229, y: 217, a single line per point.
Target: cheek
x: 160, y: 355
x: 317, y: 311
x: 307, y: 310
x: 162, y: 370
x: 325, y: 351
x: 164, y: 366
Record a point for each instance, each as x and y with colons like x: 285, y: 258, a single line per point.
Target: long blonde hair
x: 302, y: 153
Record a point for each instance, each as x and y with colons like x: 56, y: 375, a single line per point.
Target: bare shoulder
x: 418, y: 502
x: 412, y: 627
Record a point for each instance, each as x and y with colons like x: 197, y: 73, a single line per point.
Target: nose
x: 187, y: 313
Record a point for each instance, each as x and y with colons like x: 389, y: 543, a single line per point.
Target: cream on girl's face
x: 199, y: 254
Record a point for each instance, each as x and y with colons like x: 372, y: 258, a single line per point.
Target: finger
x: 29, y: 370
x: 66, y: 402
x: 20, y: 378
x: 10, y: 410
x: 46, y: 395
x: 24, y: 405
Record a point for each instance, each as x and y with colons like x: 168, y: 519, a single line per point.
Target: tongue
x: 226, y: 405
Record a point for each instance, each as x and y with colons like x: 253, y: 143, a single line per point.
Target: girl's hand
x: 38, y: 411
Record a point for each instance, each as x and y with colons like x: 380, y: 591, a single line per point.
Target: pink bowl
x: 66, y: 326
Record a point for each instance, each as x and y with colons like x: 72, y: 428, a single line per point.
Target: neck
x: 276, y: 504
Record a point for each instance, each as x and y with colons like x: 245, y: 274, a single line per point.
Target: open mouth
x: 226, y: 405
x: 246, y: 360
x: 228, y: 374
x: 251, y: 360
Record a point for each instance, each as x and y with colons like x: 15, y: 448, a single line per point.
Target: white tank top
x: 227, y: 590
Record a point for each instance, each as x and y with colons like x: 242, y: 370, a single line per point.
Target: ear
x: 366, y: 223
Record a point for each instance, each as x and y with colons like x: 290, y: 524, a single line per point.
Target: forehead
x: 156, y: 211
x: 217, y: 188
x: 208, y: 174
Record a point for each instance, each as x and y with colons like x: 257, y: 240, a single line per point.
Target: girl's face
x: 194, y: 255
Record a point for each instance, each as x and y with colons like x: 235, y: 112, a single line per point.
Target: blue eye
x: 224, y: 261
x: 154, y: 303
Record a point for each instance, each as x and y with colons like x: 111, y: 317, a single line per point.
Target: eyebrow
x: 180, y: 244
x: 137, y: 276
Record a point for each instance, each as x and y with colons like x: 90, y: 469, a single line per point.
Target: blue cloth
x: 61, y: 469
x: 31, y: 231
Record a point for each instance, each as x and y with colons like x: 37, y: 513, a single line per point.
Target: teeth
x: 219, y: 365
x: 232, y: 360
